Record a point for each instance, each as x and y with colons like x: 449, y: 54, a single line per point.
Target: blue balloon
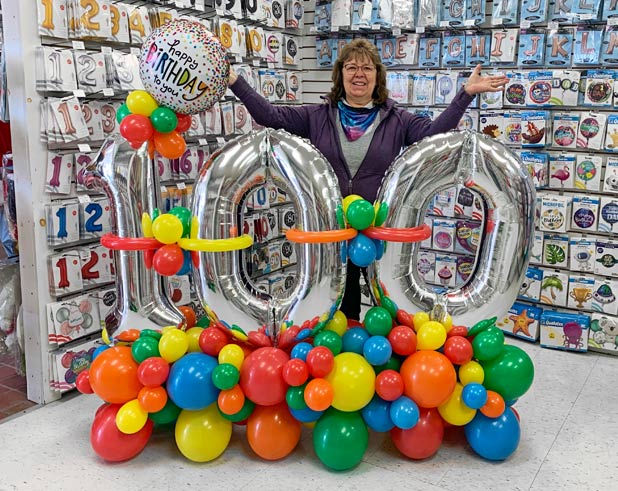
x: 379, y: 248
x: 377, y: 350
x: 354, y: 340
x: 187, y: 264
x: 494, y: 438
x: 404, y: 413
x: 99, y: 350
x: 300, y: 351
x: 362, y: 251
x: 189, y: 384
x: 474, y: 395
x: 377, y: 414
x: 306, y: 415
x: 303, y: 334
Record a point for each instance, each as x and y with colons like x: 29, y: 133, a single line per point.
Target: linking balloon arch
x: 273, y: 364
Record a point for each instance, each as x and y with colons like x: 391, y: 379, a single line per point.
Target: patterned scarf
x: 355, y: 121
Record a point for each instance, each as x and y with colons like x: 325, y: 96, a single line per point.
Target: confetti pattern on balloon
x: 184, y: 67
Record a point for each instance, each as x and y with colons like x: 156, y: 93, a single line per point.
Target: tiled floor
x: 569, y: 441
x: 12, y: 389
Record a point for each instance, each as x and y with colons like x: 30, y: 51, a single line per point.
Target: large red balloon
x: 136, y: 128
x: 429, y: 378
x: 113, y: 375
x: 458, y: 349
x: 168, y: 259
x: 424, y: 439
x: 109, y: 442
x: 261, y: 377
x: 272, y: 431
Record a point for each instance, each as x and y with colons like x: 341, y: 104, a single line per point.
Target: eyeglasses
x: 352, y: 69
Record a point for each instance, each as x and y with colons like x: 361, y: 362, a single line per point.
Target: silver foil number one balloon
x: 498, y: 176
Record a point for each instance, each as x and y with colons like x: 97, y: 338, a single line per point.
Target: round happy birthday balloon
x: 184, y: 67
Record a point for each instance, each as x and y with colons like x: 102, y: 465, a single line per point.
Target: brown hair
x: 359, y: 48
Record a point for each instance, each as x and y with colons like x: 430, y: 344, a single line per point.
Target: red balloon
x: 259, y: 339
x: 403, y: 340
x: 109, y: 442
x: 424, y: 439
x: 153, y: 371
x: 272, y: 431
x: 295, y: 372
x: 389, y: 385
x: 83, y: 382
x: 184, y: 122
x: 168, y: 259
x: 288, y: 337
x: 113, y: 375
x: 457, y: 331
x: 354, y: 323
x: 261, y: 377
x: 136, y: 128
x: 212, y: 340
x: 320, y: 361
x: 458, y: 349
x: 405, y: 318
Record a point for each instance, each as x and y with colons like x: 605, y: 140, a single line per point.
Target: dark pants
x: 351, y: 303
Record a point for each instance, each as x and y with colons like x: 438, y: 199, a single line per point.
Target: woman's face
x: 359, y: 80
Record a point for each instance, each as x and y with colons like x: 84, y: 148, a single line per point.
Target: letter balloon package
x: 587, y: 10
x: 565, y: 87
x: 361, y: 14
x: 504, y: 46
x: 478, y: 47
x: 403, y: 14
x: 322, y: 17
x: 382, y: 13
x: 559, y: 47
x: 564, y: 331
x: 610, y: 9
x: 609, y: 50
x: 505, y: 12
x: 531, y: 48
x: 534, y: 11
x: 428, y: 13
x: 475, y: 11
x: 429, y: 52
x: 588, y: 42
x: 324, y: 51
x: 386, y: 48
x: 515, y: 89
x: 452, y: 13
x: 453, y: 49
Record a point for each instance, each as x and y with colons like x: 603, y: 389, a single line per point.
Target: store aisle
x: 568, y: 442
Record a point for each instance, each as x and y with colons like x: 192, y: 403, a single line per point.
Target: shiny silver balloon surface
x: 222, y: 188
x: 501, y: 180
x: 131, y: 182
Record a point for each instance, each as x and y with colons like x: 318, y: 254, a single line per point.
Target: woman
x: 359, y: 129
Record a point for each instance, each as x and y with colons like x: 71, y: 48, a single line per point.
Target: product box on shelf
x: 585, y: 211
x: 554, y: 288
x: 491, y: 124
x: 465, y: 265
x: 534, y: 127
x: 274, y: 255
x: 426, y: 244
x: 603, y: 334
x: 588, y: 172
x: 606, y: 262
x: 272, y: 216
x: 446, y: 270
x: 72, y: 319
x: 556, y: 250
x: 444, y: 203
x: 561, y: 170
x: 522, y: 321
x: 564, y: 331
x: 287, y: 218
x: 610, y: 179
x: 604, y: 296
x: 582, y: 253
x: 565, y: 83
x: 608, y: 215
x: 512, y: 128
x: 426, y: 266
x: 565, y: 126
x: 591, y: 130
x: 443, y: 235
x: 465, y: 203
x: 537, y: 165
x: 180, y: 289
x: 580, y: 292
x: 276, y: 285
x: 536, y: 251
x: 555, y: 213
x: 288, y: 253
x: 294, y: 92
x: 467, y: 236
x: 530, y: 288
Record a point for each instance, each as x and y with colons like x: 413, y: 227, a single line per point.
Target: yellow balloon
x: 448, y: 322
x: 168, y: 329
x: 141, y: 102
x: 173, y: 345
x: 419, y: 319
x: 338, y: 324
x: 202, y: 435
x: 217, y: 245
x: 131, y: 417
x: 193, y: 336
x: 147, y: 225
x: 348, y: 200
x: 353, y: 382
x: 430, y: 336
x: 232, y: 354
x: 167, y: 228
x: 454, y: 411
x: 471, y: 372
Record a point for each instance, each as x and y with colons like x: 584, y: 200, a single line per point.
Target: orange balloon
x: 495, y: 406
x: 232, y: 400
x: 113, y: 375
x: 189, y: 314
x: 319, y: 394
x: 128, y: 336
x: 152, y: 399
x: 429, y: 378
x: 272, y: 431
x: 170, y: 145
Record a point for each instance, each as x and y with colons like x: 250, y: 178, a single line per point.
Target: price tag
x: 84, y: 148
x: 238, y: 59
x: 313, y: 30
x: 612, y: 21
x: 588, y: 16
x: 256, y: 62
x: 180, y: 4
x: 163, y: 189
x: 396, y: 31
x: 106, y: 50
x: 334, y: 29
x: 375, y: 27
x: 78, y: 45
x: 552, y: 25
x: 203, y: 141
x: 135, y: 51
x: 469, y: 22
x: 445, y: 23
x: 83, y: 198
x: 526, y: 24
x: 496, y: 21
x: 181, y: 185
x: 79, y: 93
x: 420, y: 29
x: 355, y: 27
x: 271, y: 64
x: 220, y: 140
x: 108, y: 92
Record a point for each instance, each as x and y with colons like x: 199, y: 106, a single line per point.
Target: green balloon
x: 184, y: 215
x: 330, y: 339
x: 393, y: 363
x: 381, y: 214
x: 203, y: 322
x: 510, y: 374
x: 122, y: 112
x: 144, y: 347
x: 295, y: 397
x: 151, y: 333
x: 164, y: 120
x: 360, y: 214
x: 167, y: 415
x: 241, y: 415
x: 340, y: 439
x: 378, y: 321
x: 481, y: 326
x: 389, y: 305
x: 225, y: 376
x: 488, y: 344
x: 340, y: 219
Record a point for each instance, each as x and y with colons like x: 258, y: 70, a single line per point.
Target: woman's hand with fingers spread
x: 478, y: 84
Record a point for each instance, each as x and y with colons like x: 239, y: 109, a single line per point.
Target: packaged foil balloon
x: 224, y: 184
x: 129, y: 179
x: 498, y: 176
x: 428, y: 13
x: 403, y: 14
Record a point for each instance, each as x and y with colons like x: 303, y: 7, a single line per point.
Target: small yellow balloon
x: 471, y: 372
x: 147, y: 225
x: 131, y: 417
x: 430, y: 336
x: 454, y: 411
x: 353, y: 381
x: 232, y: 354
x: 419, y: 319
x: 201, y: 436
x: 141, y: 102
x: 167, y: 229
x: 338, y: 324
x: 348, y: 200
x: 168, y: 329
x: 193, y: 336
x: 448, y: 323
x: 173, y: 345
